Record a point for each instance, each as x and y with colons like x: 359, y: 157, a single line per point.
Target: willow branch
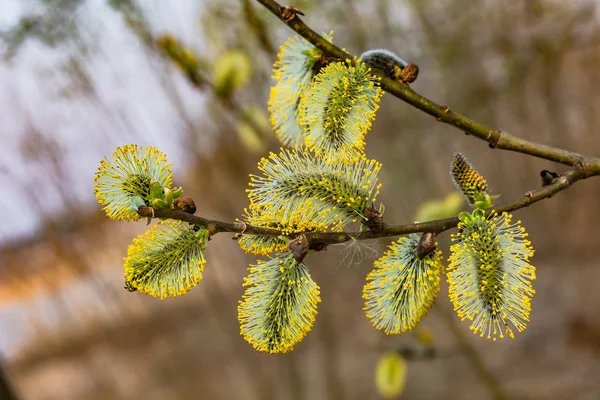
x: 496, y: 138
x: 327, y: 238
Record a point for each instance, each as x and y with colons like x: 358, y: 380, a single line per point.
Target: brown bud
x: 288, y: 13
x: 299, y: 248
x: 426, y: 244
x: 373, y: 219
x: 409, y: 73
x: 548, y: 177
x: 146, y: 211
x: 186, y: 204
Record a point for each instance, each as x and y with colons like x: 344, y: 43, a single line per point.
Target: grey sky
x: 132, y: 103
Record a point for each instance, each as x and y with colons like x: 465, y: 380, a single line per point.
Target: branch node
x: 299, y: 247
x: 241, y: 225
x: 373, y: 219
x: 426, y: 244
x: 582, y: 165
x: 288, y: 13
x: 494, y: 137
x: 211, y: 228
x: 146, y: 211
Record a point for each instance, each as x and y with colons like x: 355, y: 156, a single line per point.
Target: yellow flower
x: 402, y: 287
x: 280, y: 305
x: 305, y: 191
x: 338, y: 110
x: 128, y: 177
x: 489, y: 275
x: 293, y: 71
x: 167, y: 260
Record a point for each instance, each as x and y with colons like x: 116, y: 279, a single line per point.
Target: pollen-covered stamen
x: 402, y: 287
x: 296, y: 184
x: 293, y: 71
x: 467, y: 179
x: 490, y: 276
x: 280, y: 305
x: 338, y: 110
x: 129, y: 176
x: 167, y: 260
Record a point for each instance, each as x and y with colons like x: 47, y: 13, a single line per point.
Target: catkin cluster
x: 322, y: 109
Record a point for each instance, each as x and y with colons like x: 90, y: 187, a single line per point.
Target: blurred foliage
x: 52, y: 25
x: 390, y: 375
x: 231, y: 71
x: 447, y: 207
x: 254, y: 140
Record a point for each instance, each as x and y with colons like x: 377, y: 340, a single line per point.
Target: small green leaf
x: 159, y: 204
x: 479, y: 213
x: 464, y: 216
x: 482, y: 201
x: 169, y: 197
x: 381, y: 208
x: 156, y: 191
x: 177, y: 193
x: 390, y: 375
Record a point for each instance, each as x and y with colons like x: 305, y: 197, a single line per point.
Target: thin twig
x: 327, y: 238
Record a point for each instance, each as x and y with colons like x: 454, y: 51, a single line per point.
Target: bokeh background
x: 80, y: 77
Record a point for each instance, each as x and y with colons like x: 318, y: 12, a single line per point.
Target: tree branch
x: 496, y: 138
x: 327, y: 238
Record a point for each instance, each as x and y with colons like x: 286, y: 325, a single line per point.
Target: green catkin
x: 489, y: 275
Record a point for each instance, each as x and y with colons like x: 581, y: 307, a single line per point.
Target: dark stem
x: 327, y: 238
x: 7, y: 392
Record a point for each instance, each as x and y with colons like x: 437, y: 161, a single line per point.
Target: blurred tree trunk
x: 6, y: 390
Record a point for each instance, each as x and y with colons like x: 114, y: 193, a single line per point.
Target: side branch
x: 327, y: 238
x: 496, y: 138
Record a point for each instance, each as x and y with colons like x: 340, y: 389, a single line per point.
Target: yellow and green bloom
x: 293, y: 71
x: 167, y: 260
x: 489, y: 274
x: 402, y: 287
x: 279, y: 306
x: 304, y: 190
x: 130, y: 179
x: 338, y: 110
x: 469, y: 182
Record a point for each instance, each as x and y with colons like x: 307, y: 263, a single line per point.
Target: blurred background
x: 81, y: 77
